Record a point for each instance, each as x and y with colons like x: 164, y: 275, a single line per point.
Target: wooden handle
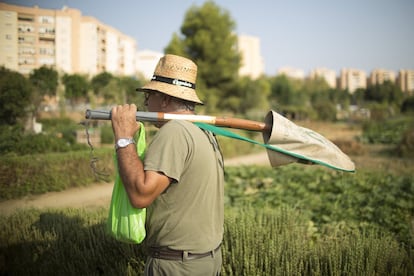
x: 241, y: 124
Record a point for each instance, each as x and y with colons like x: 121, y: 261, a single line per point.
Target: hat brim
x: 176, y: 91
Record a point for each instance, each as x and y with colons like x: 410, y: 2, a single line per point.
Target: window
x: 46, y: 19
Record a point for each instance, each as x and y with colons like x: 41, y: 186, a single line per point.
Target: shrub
x: 386, y: 132
x: 257, y: 241
x: 331, y: 198
x: 28, y: 175
x: 58, y: 136
x: 406, y: 146
x: 107, y: 135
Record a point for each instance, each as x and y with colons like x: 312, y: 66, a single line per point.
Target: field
x: 293, y: 220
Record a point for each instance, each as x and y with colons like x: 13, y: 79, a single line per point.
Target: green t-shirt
x: 189, y: 214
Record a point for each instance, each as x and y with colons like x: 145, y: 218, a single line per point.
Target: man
x: 181, y: 180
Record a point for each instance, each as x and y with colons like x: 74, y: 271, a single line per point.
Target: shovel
x: 285, y: 141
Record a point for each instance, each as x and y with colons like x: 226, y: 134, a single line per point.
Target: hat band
x: 174, y: 81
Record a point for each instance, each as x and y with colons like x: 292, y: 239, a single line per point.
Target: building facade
x: 327, y: 74
x: 291, y: 72
x: 352, y: 79
x: 406, y: 81
x: 252, y: 62
x: 64, y: 39
x: 146, y: 61
x: 379, y: 76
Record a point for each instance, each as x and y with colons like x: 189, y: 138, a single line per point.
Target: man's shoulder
x: 179, y: 124
x: 180, y: 128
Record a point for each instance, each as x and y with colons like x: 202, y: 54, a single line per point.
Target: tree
x: 45, y: 80
x: 176, y: 46
x: 76, y: 87
x: 15, y: 96
x: 129, y: 86
x: 408, y: 105
x: 99, y: 81
x: 386, y: 92
x: 208, y: 39
x: 358, y: 97
x: 287, y: 91
x: 254, y: 95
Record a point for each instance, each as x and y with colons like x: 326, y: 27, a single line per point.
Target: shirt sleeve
x: 169, y: 151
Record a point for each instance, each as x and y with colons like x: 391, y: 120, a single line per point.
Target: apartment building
x: 104, y: 49
x: 378, y: 76
x: 31, y: 37
x: 291, y: 72
x: 352, y: 79
x: 146, y: 61
x: 405, y: 81
x: 252, y: 62
x: 327, y: 74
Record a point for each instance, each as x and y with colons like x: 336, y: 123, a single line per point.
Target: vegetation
x: 15, y: 95
x: 289, y: 221
x: 30, y: 175
x: 76, y: 87
x: 387, y: 132
x: 310, y: 226
x: 331, y: 200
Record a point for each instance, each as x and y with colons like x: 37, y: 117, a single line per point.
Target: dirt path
x: 97, y: 195
x: 91, y: 196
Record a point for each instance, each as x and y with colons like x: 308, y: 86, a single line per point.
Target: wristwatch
x: 123, y: 142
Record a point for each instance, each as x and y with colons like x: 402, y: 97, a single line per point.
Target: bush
x: 28, y: 175
x: 378, y: 199
x: 257, y: 241
x: 64, y: 128
x: 408, y: 105
x: 22, y: 144
x: 406, y: 146
x: 107, y: 135
x: 386, y: 132
x: 58, y: 136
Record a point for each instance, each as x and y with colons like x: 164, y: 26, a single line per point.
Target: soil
x: 99, y: 194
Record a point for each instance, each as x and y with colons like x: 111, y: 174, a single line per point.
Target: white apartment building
x: 252, y: 62
x: 327, y: 74
x: 352, y: 79
x: 31, y: 37
x: 146, y: 61
x: 105, y: 49
x: 291, y: 72
x: 406, y: 81
x: 8, y: 35
x: 378, y: 76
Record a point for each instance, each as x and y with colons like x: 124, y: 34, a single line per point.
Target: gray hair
x: 181, y: 104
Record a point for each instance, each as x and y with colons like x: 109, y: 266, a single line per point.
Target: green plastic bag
x: 126, y: 223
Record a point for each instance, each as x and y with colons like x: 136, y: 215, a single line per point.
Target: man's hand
x: 123, y: 118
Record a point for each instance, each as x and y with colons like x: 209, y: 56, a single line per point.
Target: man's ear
x: 165, y: 100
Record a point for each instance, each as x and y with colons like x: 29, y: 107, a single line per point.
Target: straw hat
x: 175, y: 76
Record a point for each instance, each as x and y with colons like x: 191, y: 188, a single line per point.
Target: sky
x: 303, y: 34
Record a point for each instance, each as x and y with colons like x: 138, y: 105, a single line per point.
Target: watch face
x: 123, y: 142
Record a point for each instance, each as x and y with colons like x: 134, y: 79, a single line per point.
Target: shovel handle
x: 160, y: 117
x: 240, y: 124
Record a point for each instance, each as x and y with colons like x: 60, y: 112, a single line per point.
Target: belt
x: 178, y: 255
